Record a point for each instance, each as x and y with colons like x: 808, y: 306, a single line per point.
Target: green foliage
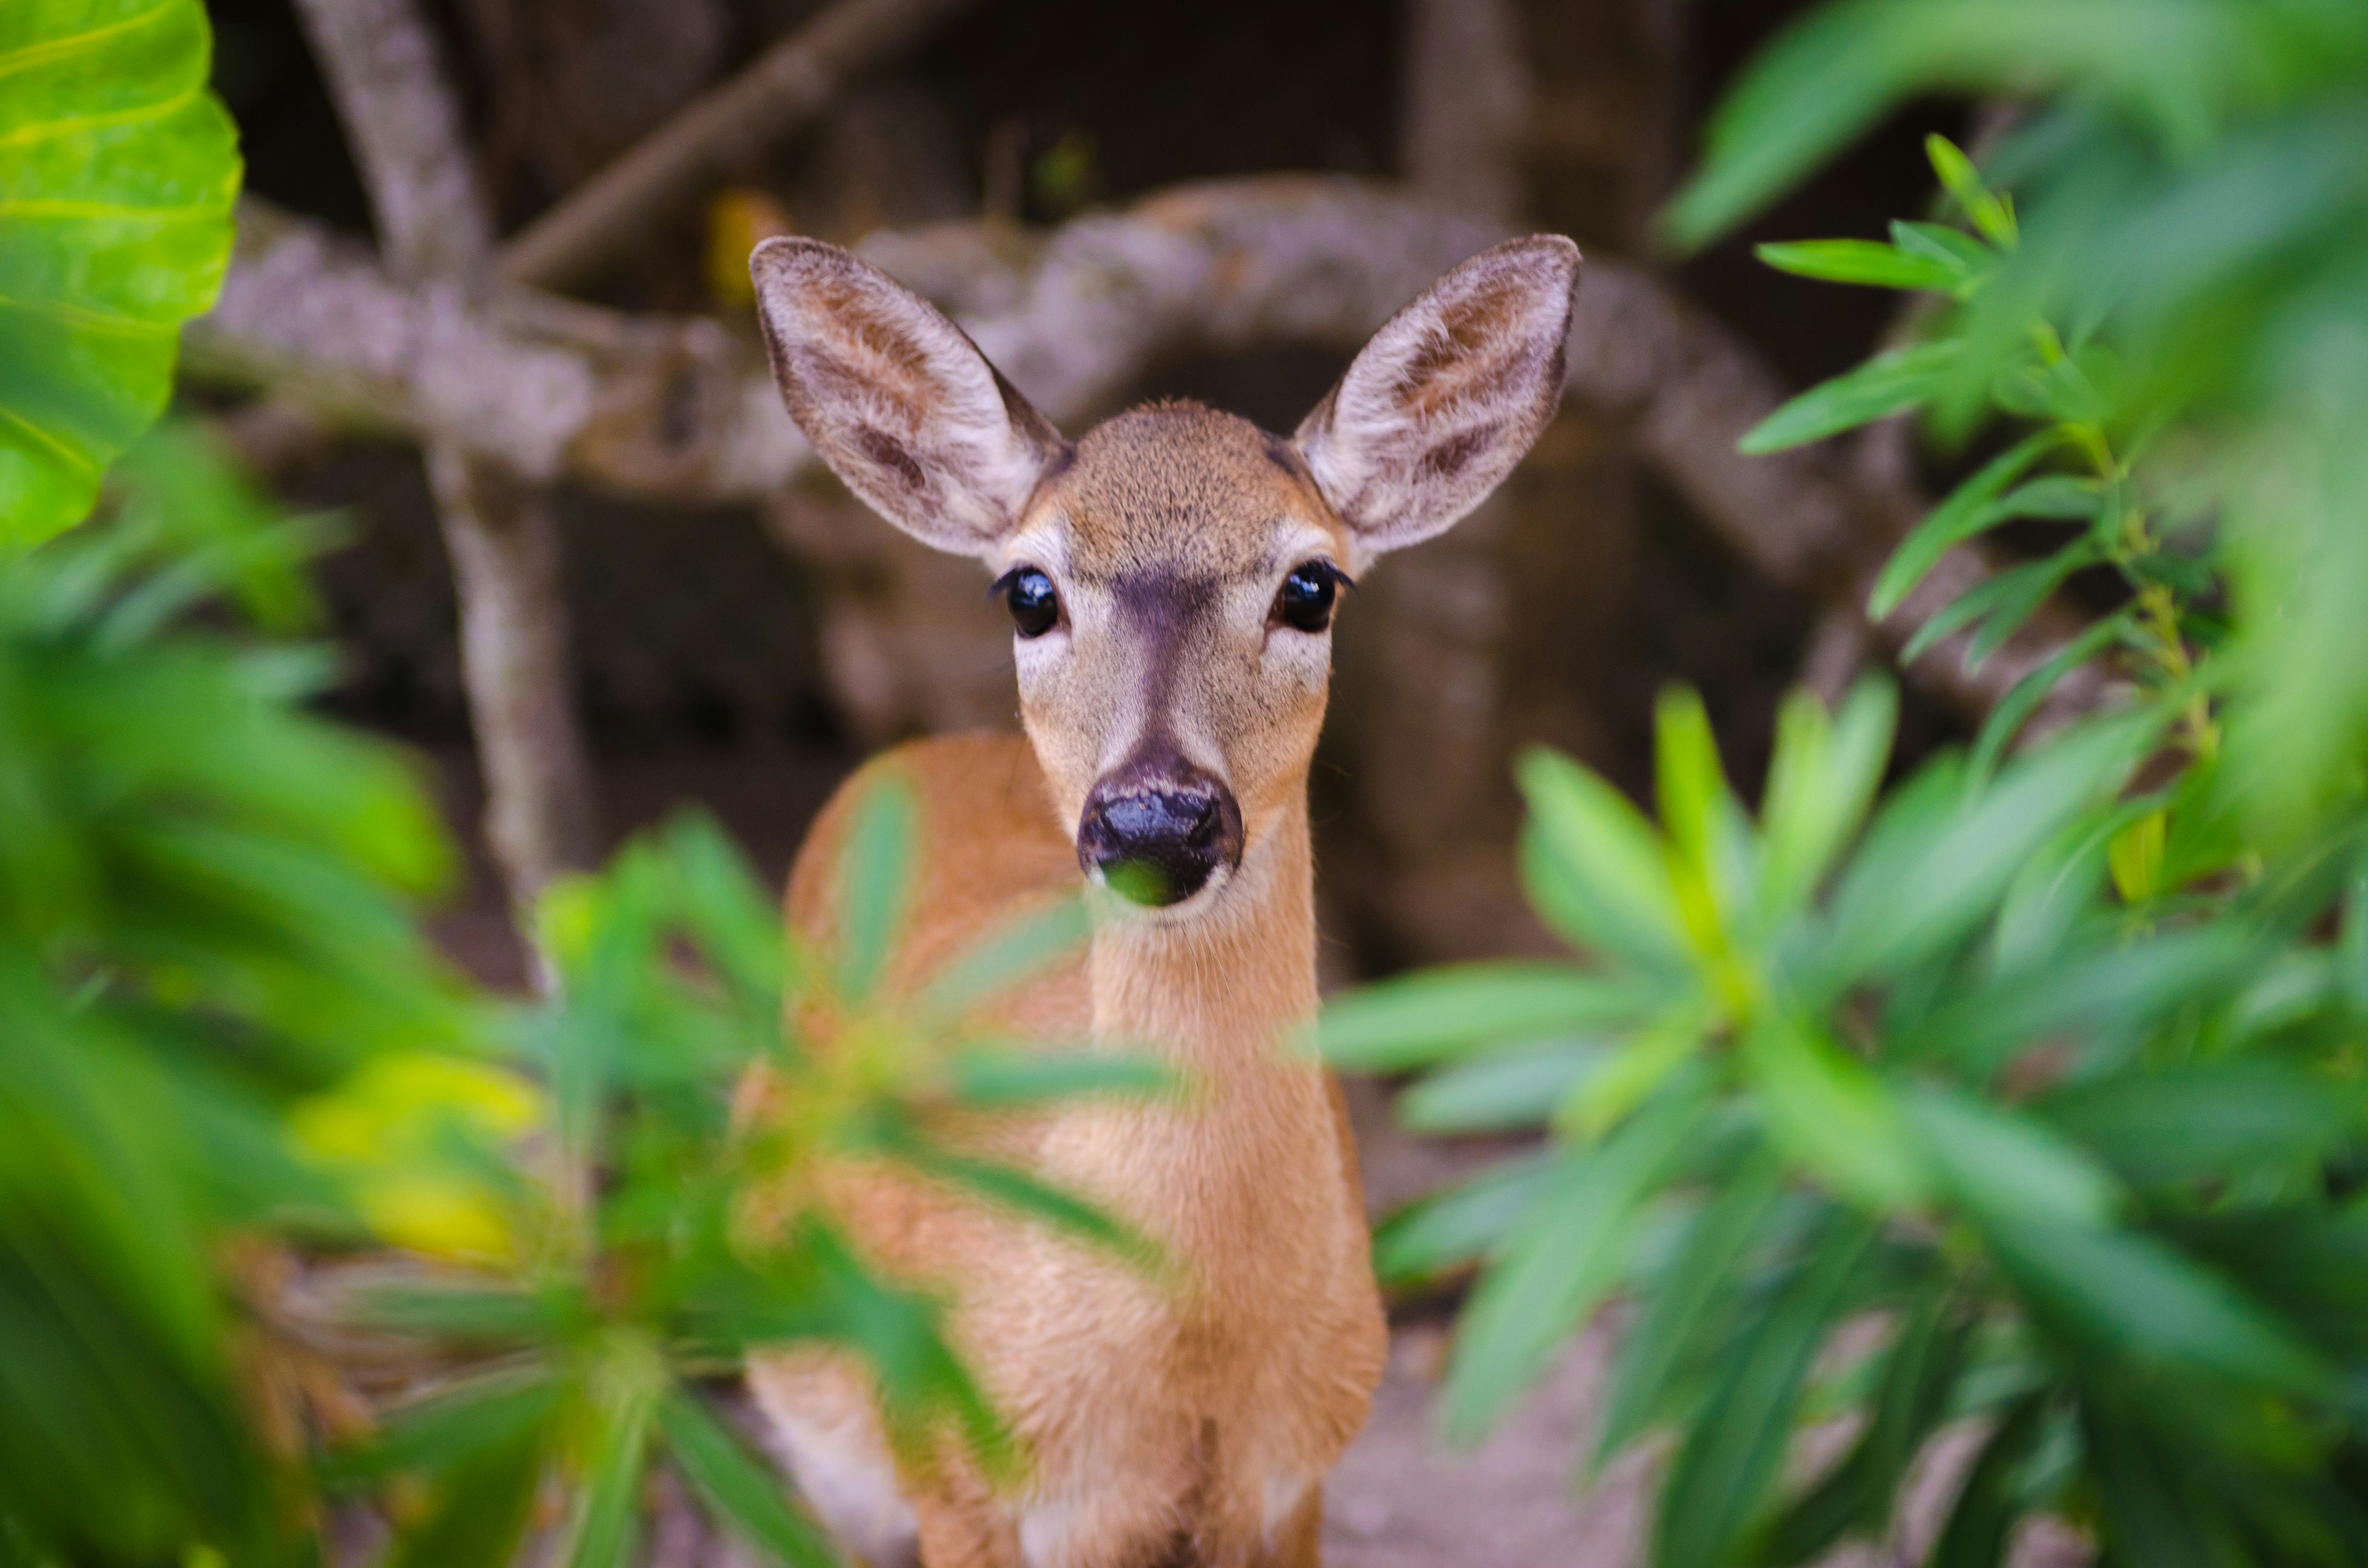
x: 116, y: 186
x: 205, y: 915
x: 655, y: 1240
x: 2041, y: 1070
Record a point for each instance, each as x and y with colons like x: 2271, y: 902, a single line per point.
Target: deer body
x: 1171, y: 577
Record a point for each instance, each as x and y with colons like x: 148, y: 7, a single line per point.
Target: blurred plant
x: 115, y: 227
x: 204, y: 914
x: 649, y: 1241
x: 2050, y: 1083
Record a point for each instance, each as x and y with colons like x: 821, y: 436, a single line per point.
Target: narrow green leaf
x: 1989, y: 1158
x: 1566, y: 1254
x: 604, y: 1530
x: 1007, y: 957
x: 2002, y: 605
x: 1627, y: 1077
x: 1405, y: 1023
x: 1988, y: 1503
x: 1935, y: 868
x: 479, y: 1512
x: 1464, y: 1223
x: 1833, y: 1117
x: 741, y: 1490
x: 1937, y: 242
x: 985, y: 1076
x: 2209, y: 1120
x: 1730, y: 1457
x: 1856, y: 1496
x: 1011, y: 1188
x: 2024, y: 699
x: 1990, y: 214
x: 1861, y: 261
x: 1615, y: 893
x: 2127, y: 1296
x: 1821, y: 780
x: 875, y: 880
x: 1969, y: 509
x: 1889, y: 383
x: 1674, y: 1322
x: 1501, y: 1091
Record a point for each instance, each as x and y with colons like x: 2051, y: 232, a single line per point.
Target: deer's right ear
x: 897, y: 399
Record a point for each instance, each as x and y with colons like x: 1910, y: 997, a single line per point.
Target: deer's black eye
x: 1035, y: 609
x: 1305, y: 601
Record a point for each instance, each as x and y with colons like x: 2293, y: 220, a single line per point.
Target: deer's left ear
x: 1447, y: 397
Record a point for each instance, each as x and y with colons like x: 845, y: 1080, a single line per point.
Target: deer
x: 1172, y: 577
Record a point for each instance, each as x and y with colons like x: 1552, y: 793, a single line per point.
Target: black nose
x: 1159, y: 840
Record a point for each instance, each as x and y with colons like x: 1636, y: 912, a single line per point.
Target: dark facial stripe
x: 1164, y: 609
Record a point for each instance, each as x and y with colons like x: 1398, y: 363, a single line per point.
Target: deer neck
x: 1218, y: 995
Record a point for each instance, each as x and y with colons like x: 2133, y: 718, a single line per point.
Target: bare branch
x: 381, y: 63
x: 683, y: 409
x: 780, y: 90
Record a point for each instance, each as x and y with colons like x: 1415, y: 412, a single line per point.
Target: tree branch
x: 780, y: 91
x: 380, y: 63
x: 684, y: 409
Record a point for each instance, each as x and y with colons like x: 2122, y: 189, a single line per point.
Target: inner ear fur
x: 1448, y: 396
x: 897, y: 399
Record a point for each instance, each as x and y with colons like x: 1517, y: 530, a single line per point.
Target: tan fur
x: 1187, y: 1420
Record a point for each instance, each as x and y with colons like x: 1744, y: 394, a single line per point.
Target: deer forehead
x: 1177, y: 495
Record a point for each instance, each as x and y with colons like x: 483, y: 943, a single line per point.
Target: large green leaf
x: 117, y: 173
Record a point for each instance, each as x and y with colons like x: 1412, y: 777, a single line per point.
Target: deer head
x: 1172, y: 574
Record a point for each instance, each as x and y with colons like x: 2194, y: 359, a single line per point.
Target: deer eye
x: 1307, y: 595
x: 1027, y: 594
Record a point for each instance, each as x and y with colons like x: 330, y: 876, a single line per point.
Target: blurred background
x: 746, y: 650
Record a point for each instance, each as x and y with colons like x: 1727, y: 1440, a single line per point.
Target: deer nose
x: 1158, y: 841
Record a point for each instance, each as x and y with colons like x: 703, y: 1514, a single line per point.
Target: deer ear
x: 897, y: 399
x: 1447, y: 397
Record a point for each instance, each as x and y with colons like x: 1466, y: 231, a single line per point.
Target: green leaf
x: 1889, y: 383
x: 1628, y: 1076
x: 2024, y: 699
x: 1593, y: 864
x: 1970, y: 508
x: 876, y: 878
x: 2209, y: 1120
x: 1465, y: 1223
x: 1729, y: 1458
x: 983, y: 1076
x: 1566, y: 1253
x: 1982, y: 1519
x: 604, y: 1528
x: 1856, y: 1496
x: 1711, y: 850
x: 1501, y: 1091
x: 1832, y: 1116
x: 1821, y: 781
x: 1018, y: 1192
x: 2126, y: 1296
x: 1007, y: 957
x: 115, y: 228
x: 1861, y: 261
x: 1990, y: 214
x: 2002, y: 603
x: 1675, y: 1321
x: 1931, y: 870
x: 1403, y: 1023
x: 741, y: 1490
x: 479, y: 1512
x: 1990, y: 1159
